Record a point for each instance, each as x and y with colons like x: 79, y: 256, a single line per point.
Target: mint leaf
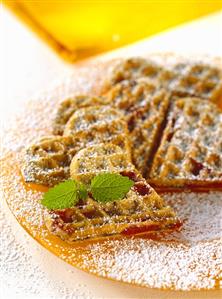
x: 110, y: 186
x: 104, y: 188
x: 62, y: 196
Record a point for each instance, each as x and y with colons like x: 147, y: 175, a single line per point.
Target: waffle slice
x: 99, y: 159
x: 134, y: 68
x: 69, y: 106
x: 197, y: 79
x: 141, y: 210
x: 99, y: 124
x: 145, y: 106
x: 190, y: 153
x: 183, y: 78
x: 47, y: 161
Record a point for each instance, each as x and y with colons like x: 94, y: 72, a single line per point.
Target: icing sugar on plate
x: 185, y: 260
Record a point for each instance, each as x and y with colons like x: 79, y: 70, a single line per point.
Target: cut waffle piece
x: 198, y: 79
x: 69, y: 106
x: 99, y: 159
x: 134, y: 68
x: 47, y: 161
x: 190, y: 153
x: 183, y: 78
x: 99, y: 124
x: 145, y: 106
x: 141, y: 210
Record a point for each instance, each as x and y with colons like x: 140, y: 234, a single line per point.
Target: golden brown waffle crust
x: 67, y: 232
x: 100, y: 70
x: 113, y: 218
x: 88, y: 76
x: 190, y: 153
x: 167, y: 59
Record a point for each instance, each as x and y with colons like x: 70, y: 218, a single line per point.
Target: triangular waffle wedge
x: 47, y: 161
x: 183, y: 78
x: 145, y: 106
x: 69, y: 106
x: 141, y: 210
x: 190, y: 153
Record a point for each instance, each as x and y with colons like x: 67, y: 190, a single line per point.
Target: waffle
x: 145, y: 106
x: 47, y: 162
x: 182, y: 79
x: 141, y: 210
x: 196, y: 79
x: 99, y: 124
x: 90, y: 118
x: 98, y: 159
x: 190, y: 153
x: 134, y: 68
x: 69, y: 106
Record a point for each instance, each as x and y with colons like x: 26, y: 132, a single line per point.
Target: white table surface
x: 28, y: 66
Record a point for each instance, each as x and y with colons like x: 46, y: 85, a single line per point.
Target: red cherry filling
x: 131, y: 175
x: 142, y: 188
x: 65, y: 215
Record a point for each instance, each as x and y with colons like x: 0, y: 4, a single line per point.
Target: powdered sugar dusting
x: 190, y: 259
x: 17, y: 261
x: 185, y: 260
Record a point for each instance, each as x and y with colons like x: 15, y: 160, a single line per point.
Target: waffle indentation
x: 184, y: 78
x: 190, y: 152
x: 145, y: 107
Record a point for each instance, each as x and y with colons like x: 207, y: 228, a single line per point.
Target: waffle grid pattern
x: 149, y: 111
x: 69, y: 106
x: 191, y: 148
x: 94, y: 160
x: 184, y: 78
x: 48, y: 161
x: 141, y: 206
x: 94, y: 220
x: 145, y: 107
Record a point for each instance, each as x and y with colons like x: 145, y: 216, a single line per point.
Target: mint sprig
x: 106, y: 187
x: 62, y: 196
x: 110, y: 186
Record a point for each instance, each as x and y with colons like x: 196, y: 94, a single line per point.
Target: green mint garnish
x: 62, y: 196
x: 110, y: 186
x: 104, y: 188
